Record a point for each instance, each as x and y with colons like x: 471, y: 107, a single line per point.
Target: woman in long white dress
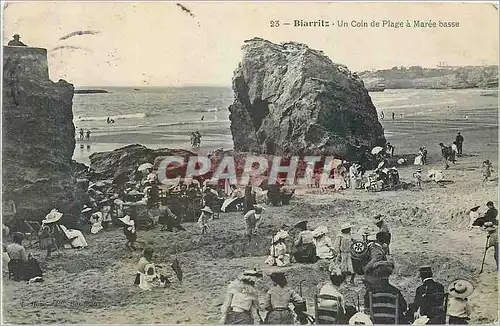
x: 323, y: 243
x: 77, y: 236
x: 343, y: 247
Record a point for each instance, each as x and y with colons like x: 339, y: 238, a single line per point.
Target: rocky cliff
x: 290, y: 99
x: 38, y: 137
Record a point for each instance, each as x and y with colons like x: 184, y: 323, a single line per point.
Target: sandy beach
x: 95, y: 285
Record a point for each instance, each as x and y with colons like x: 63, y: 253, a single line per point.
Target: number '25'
x: 274, y: 23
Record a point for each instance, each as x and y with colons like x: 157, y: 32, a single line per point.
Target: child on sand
x: 418, y: 178
x: 129, y: 231
x: 459, y: 308
x: 487, y: 170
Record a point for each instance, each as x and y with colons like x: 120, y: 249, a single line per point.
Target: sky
x: 159, y: 44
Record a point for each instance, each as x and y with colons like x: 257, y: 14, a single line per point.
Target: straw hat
x: 345, y: 226
x: 126, y: 220
x: 86, y: 209
x: 460, y: 289
x: 421, y: 320
x: 489, y: 226
x: 334, y: 269
x: 53, y: 216
x: 250, y: 275
x: 280, y: 235
x: 360, y: 318
x: 207, y: 209
x: 319, y: 231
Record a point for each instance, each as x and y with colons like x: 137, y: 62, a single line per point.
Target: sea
x: 164, y: 117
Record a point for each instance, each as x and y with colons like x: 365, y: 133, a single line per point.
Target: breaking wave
x: 140, y: 115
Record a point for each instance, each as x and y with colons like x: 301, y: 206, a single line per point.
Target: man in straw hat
x: 459, y: 308
x: 383, y: 270
x: 252, y: 218
x: 429, y: 298
x: 242, y: 300
x: 305, y: 250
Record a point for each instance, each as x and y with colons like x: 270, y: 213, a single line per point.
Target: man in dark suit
x: 429, y: 297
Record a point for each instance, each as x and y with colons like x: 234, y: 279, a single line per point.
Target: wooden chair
x: 384, y: 307
x: 327, y: 315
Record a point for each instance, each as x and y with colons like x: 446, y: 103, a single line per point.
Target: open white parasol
x: 376, y: 150
x: 144, y: 166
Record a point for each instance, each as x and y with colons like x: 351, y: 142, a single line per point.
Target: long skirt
x: 345, y: 262
x: 78, y: 239
x: 279, y: 317
x: 234, y: 317
x: 305, y: 253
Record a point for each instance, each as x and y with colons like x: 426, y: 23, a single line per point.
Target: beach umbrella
x: 376, y: 150
x: 144, y: 166
x: 176, y: 266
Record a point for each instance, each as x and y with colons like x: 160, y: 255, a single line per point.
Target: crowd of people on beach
x: 134, y: 200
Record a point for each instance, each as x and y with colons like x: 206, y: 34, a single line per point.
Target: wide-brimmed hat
x: 259, y: 207
x: 86, y: 209
x: 378, y: 218
x: 281, y: 234
x: 16, y: 35
x: 319, y: 231
x: 53, y: 216
x: 460, y: 288
x: 207, y: 209
x: 423, y: 320
x: 419, y: 170
x: 250, y: 275
x: 301, y: 224
x: 489, y: 226
x: 360, y: 318
x: 475, y: 208
x: 334, y: 269
x: 345, y: 226
x: 126, y: 220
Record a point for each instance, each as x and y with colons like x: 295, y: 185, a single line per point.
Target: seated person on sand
x: 78, y: 240
x: 278, y: 253
x: 24, y: 266
x: 323, y: 243
x: 96, y: 222
x: 305, y: 250
x: 382, y: 271
x: 146, y: 276
x: 330, y: 298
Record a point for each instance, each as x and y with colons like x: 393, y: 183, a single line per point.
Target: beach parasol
x: 376, y: 150
x: 144, y: 166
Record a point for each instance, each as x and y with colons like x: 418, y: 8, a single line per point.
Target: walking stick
x: 485, y: 250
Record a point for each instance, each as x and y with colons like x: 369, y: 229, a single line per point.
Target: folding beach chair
x: 384, y: 308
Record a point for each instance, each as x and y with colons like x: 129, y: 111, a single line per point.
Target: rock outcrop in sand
x: 128, y: 158
x: 38, y: 136
x: 290, y: 99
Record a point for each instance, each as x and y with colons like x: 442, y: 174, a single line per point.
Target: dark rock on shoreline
x: 128, y: 158
x: 290, y: 99
x: 38, y: 137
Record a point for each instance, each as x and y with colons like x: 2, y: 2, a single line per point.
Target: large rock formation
x: 107, y: 164
x: 290, y: 99
x: 38, y: 137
